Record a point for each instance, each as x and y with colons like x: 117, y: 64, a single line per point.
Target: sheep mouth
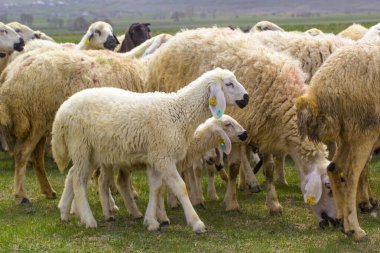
x: 110, y: 43
x: 326, y: 220
x: 243, y: 136
x: 243, y: 102
x: 19, y: 46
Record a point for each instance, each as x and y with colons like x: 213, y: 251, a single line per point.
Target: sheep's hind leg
x: 230, y: 198
x: 178, y: 187
x: 155, y: 183
x: 67, y: 197
x: 104, y: 183
x: 367, y: 203
x: 271, y: 199
x: 279, y: 162
x: 211, y: 190
x: 39, y: 168
x: 161, y: 211
x: 80, y: 177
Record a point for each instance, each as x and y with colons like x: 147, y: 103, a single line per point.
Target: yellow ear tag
x: 221, y: 143
x: 311, y: 200
x: 213, y: 101
x: 87, y: 42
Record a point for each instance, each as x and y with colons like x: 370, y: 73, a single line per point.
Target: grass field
x: 38, y: 228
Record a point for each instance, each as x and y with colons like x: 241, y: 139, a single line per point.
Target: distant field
x: 39, y: 229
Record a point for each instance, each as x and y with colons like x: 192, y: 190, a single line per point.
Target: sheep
x: 314, y: 32
x: 342, y: 105
x: 9, y: 40
x: 310, y: 51
x: 151, y: 128
x: 136, y: 34
x: 274, y: 80
x: 263, y: 26
x: 372, y: 33
x: 34, y: 71
x: 24, y: 31
x: 353, y: 32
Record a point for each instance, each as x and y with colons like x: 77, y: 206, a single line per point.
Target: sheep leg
x: 177, y: 185
x: 104, y: 182
x: 155, y: 183
x: 197, y: 169
x: 271, y: 198
x: 357, y: 158
x: 223, y: 175
x: 211, y: 190
x: 189, y: 178
x: 367, y: 203
x: 123, y: 185
x: 230, y: 199
x: 39, y: 168
x: 80, y: 178
x: 172, y: 200
x: 246, y: 170
x: 67, y: 197
x: 242, y: 183
x: 279, y: 161
x: 161, y: 211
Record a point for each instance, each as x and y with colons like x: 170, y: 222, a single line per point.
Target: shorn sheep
x: 9, y: 40
x: 152, y: 128
x: 353, y: 32
x: 342, y: 105
x: 274, y: 81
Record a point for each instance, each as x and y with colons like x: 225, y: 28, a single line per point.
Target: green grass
x: 39, y: 229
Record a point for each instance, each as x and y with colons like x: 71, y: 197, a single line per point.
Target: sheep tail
x: 307, y: 117
x: 60, y: 150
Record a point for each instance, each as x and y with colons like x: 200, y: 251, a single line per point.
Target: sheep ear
x: 217, y: 101
x: 224, y: 142
x: 313, y: 188
x: 89, y: 38
x: 117, y: 41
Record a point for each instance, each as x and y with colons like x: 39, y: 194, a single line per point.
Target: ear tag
x: 213, y: 101
x: 311, y: 200
x: 88, y: 42
x: 219, y: 113
x: 221, y: 143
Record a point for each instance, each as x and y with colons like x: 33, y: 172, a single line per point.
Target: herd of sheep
x: 308, y: 95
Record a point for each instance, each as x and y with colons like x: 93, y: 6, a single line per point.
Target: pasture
x: 37, y: 228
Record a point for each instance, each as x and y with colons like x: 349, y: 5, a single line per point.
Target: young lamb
x: 136, y: 34
x: 152, y: 128
x: 9, y: 40
x: 342, y: 105
x: 353, y: 32
x: 263, y: 26
x: 275, y: 81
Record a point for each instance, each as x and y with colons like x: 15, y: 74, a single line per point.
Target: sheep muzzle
x: 243, y: 102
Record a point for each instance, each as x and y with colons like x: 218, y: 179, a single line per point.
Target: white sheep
x: 275, y: 81
x: 353, y: 32
x: 24, y: 31
x: 263, y: 26
x: 372, y: 33
x: 9, y: 40
x: 152, y: 128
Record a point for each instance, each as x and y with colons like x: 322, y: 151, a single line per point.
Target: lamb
x: 330, y: 112
x: 310, y: 51
x: 10, y: 40
x: 151, y: 128
x: 136, y: 34
x: 274, y: 80
x: 353, y: 32
x: 263, y: 26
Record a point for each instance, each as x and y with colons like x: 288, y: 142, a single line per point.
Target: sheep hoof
x: 110, y: 219
x: 281, y: 183
x: 154, y: 226
x: 324, y: 224
x: 366, y: 207
x: 357, y: 236
x: 137, y: 215
x: 25, y: 201
x: 199, y: 228
x: 90, y: 223
x: 276, y: 211
x: 164, y: 224
x: 213, y: 197
x: 254, y: 189
x: 53, y: 195
x: 115, y: 208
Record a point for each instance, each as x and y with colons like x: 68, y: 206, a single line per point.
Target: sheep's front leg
x: 197, y: 169
x: 271, y: 199
x: 367, y: 203
x: 279, y: 161
x: 80, y: 178
x: 67, y: 197
x: 230, y: 198
x: 104, y: 181
x: 161, y: 211
x: 360, y: 152
x: 178, y: 187
x: 124, y: 186
x: 211, y: 190
x: 247, y: 172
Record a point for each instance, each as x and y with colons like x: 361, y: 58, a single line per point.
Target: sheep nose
x: 218, y: 167
x: 243, y: 136
x: 20, y: 45
x: 243, y: 102
x: 110, y: 43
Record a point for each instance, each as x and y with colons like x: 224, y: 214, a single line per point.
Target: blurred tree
x: 55, y: 22
x: 177, y: 15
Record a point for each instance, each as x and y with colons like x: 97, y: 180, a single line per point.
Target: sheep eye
x: 228, y: 125
x: 98, y: 32
x: 230, y: 84
x: 17, y: 30
x: 3, y: 31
